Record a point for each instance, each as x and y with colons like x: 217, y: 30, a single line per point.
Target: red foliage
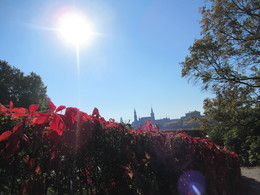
x: 4, y: 136
x: 48, y: 144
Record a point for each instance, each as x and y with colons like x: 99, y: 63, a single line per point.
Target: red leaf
x: 20, y: 110
x: 33, y: 108
x: 2, y: 108
x: 17, y: 126
x: 71, y: 116
x: 147, y: 155
x: 52, y: 155
x: 85, y: 116
x: 140, y: 129
x: 4, y: 136
x: 57, y: 124
x: 131, y: 174
x: 42, y: 118
x: 60, y: 108
x: 31, y: 163
x: 148, y: 125
x: 51, y: 105
x: 11, y: 105
x: 38, y: 170
x: 15, y: 115
x: 95, y: 112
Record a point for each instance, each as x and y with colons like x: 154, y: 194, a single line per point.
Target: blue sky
x: 132, y: 64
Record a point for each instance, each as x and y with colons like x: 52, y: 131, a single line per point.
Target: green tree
x: 226, y: 61
x: 22, y: 90
x: 232, y: 120
x: 229, y: 50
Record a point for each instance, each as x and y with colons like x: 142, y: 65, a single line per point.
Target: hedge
x: 77, y: 153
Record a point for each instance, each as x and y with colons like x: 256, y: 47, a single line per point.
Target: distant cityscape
x: 185, y: 122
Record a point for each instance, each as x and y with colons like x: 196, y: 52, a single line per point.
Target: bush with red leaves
x: 77, y: 153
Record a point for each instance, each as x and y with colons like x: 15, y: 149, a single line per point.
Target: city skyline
x: 184, y: 122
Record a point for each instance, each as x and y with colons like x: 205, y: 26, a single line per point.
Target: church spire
x: 135, y: 116
x: 152, y: 114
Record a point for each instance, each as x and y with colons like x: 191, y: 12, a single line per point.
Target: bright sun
x: 75, y: 28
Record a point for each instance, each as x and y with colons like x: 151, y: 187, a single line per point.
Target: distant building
x: 186, y: 122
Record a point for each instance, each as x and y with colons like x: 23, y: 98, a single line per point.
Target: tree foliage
x: 229, y: 49
x: 232, y: 120
x: 22, y: 90
x: 226, y: 61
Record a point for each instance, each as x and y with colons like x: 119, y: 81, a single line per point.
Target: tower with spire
x: 152, y: 115
x: 135, y: 116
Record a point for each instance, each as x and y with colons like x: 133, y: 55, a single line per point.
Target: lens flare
x: 191, y: 182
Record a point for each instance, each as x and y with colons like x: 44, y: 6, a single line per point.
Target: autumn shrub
x: 77, y: 153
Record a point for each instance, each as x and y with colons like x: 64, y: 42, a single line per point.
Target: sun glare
x: 75, y: 28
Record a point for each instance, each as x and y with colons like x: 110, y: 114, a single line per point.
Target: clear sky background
x: 132, y: 64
